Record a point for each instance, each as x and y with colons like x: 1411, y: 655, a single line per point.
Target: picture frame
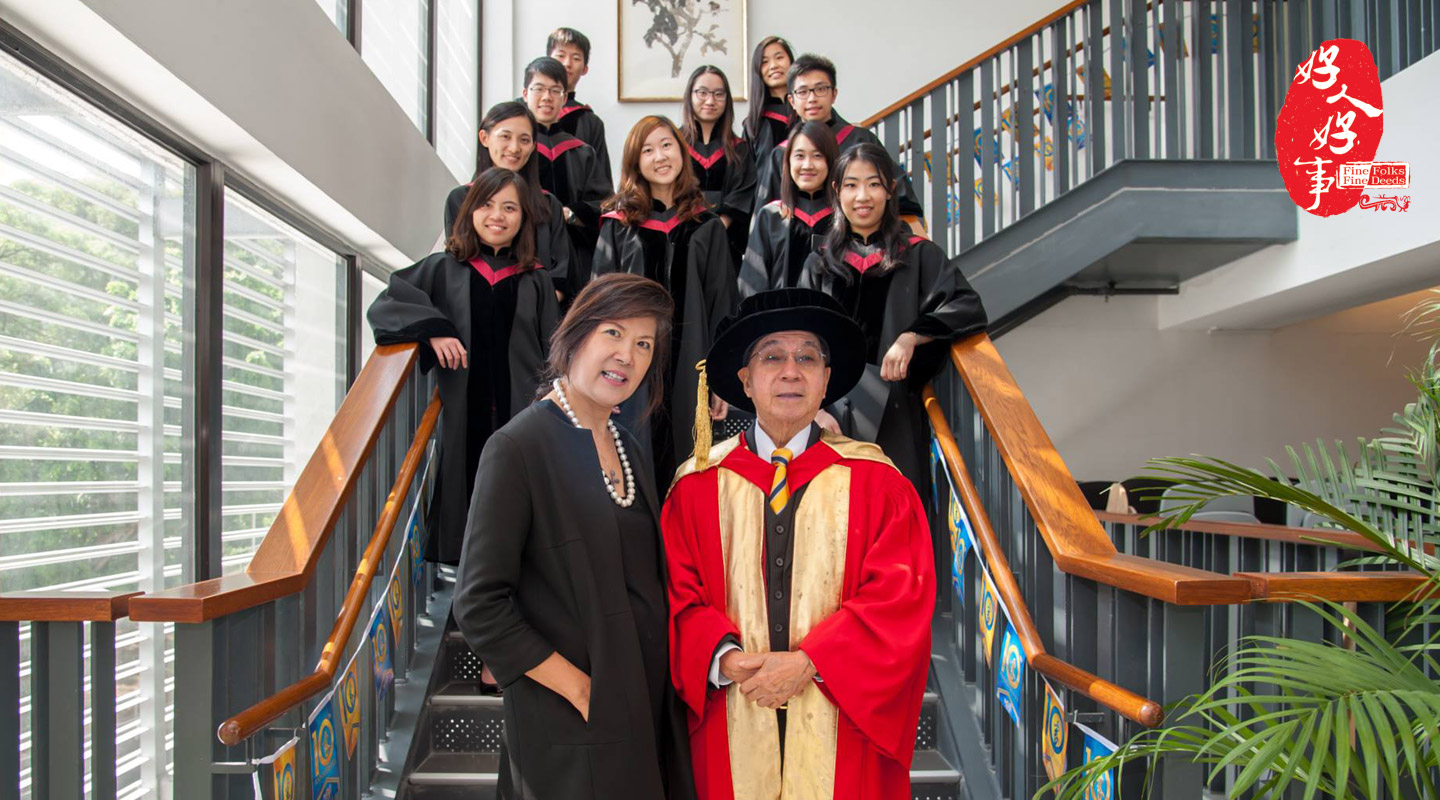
x: 663, y: 41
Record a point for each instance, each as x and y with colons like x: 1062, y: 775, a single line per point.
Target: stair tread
x: 466, y: 694
x: 932, y: 767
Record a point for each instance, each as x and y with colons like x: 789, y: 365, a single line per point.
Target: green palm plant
x: 1323, y: 719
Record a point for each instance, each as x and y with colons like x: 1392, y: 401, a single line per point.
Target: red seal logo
x: 1333, y: 116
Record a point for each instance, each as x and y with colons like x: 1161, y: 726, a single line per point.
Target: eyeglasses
x: 705, y: 94
x: 820, y: 92
x: 775, y: 358
x: 553, y: 91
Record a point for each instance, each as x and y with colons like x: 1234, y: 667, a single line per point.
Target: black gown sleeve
x: 758, y: 270
x: 593, y: 187
x: 607, y: 249
x: 949, y: 310
x: 812, y: 275
x: 562, y: 250
x: 453, y: 201
x: 592, y: 130
x: 406, y: 312
x: 709, y: 254
x: 495, y: 536
x: 737, y: 199
x: 767, y: 177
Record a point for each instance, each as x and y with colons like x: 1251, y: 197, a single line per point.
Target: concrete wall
x: 882, y: 53
x: 1112, y: 390
x: 274, y: 90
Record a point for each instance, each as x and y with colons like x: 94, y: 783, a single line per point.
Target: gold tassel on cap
x: 701, y: 433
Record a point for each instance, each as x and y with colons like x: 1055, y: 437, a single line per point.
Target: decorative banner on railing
x: 395, y: 601
x: 1009, y: 679
x: 936, y: 459
x: 961, y: 540
x: 1097, y: 746
x: 1056, y: 735
x: 324, y: 757
x: 989, y: 609
x: 283, y: 774
x: 383, y: 667
x: 417, y: 561
x: 348, y: 696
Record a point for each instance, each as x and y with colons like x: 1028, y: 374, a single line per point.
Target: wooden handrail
x: 1031, y: 30
x: 1119, y: 699
x: 1340, y: 587
x: 248, y: 722
x: 52, y: 606
x: 1064, y: 518
x: 1251, y: 530
x: 286, y: 558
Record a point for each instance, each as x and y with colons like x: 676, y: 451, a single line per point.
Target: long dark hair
x: 894, y: 236
x: 530, y: 171
x: 618, y: 295
x: 464, y: 242
x: 693, y: 130
x: 758, y: 90
x: 820, y: 135
x: 632, y: 199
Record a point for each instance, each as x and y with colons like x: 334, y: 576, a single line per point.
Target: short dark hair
x: 618, y: 295
x: 547, y: 66
x: 820, y: 135
x: 809, y: 62
x: 464, y: 241
x: 561, y: 36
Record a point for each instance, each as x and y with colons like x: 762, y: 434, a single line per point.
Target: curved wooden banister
x: 1340, y: 587
x: 1121, y: 700
x: 51, y: 606
x: 925, y: 90
x: 250, y: 721
x: 286, y: 558
x: 1077, y: 542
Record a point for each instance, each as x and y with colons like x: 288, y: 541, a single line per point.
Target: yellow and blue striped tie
x: 779, y: 488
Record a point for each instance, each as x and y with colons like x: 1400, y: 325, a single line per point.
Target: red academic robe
x: 871, y: 650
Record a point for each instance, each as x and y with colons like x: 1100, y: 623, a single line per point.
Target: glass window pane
x: 339, y: 13
x: 370, y: 288
x: 284, y: 368
x: 457, y: 77
x: 395, y: 43
x: 96, y: 244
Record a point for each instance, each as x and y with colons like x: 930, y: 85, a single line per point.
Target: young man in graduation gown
x: 812, y: 86
x: 572, y: 49
x: 801, y: 579
x: 569, y: 168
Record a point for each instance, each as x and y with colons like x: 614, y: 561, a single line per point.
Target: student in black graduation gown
x: 561, y: 588
x: 572, y: 49
x: 720, y: 159
x: 812, y: 89
x: 770, y: 118
x: 788, y: 230
x: 483, y: 310
x: 507, y: 139
x: 657, y: 225
x: 569, y: 168
x: 909, y: 298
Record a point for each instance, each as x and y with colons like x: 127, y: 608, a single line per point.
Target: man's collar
x: 761, y: 445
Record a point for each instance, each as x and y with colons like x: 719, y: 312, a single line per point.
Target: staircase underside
x: 1141, y: 225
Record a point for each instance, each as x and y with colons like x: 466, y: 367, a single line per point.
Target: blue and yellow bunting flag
x: 284, y: 766
x: 417, y: 561
x: 1057, y: 735
x: 989, y: 610
x: 348, y: 697
x: 1097, y: 746
x: 380, y: 655
x: 1010, y: 678
x: 936, y: 459
x: 395, y: 603
x: 960, y: 540
x: 324, y: 755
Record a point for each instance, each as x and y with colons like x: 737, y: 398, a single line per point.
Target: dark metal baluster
x: 57, y: 728
x: 891, y: 133
x: 1119, y: 83
x: 965, y: 201
x: 1204, y: 79
x: 102, y: 711
x: 1137, y: 31
x: 1095, y: 86
x: 1247, y: 80
x: 1023, y: 114
x: 940, y: 149
x: 10, y: 710
x: 1174, y: 96
x: 989, y: 170
x: 1060, y: 103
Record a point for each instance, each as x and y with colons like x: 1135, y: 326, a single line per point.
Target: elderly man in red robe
x: 801, y: 580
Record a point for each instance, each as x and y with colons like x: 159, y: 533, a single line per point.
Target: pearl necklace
x: 629, y: 498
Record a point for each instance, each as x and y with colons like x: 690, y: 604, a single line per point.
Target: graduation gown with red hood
x: 781, y: 240
x: 860, y: 605
x: 848, y: 136
x: 571, y: 170
x: 552, y: 242
x: 729, y: 186
x: 581, y: 121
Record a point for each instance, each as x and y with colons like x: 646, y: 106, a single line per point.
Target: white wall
x: 272, y: 88
x: 881, y: 52
x: 1338, y: 262
x: 1112, y: 390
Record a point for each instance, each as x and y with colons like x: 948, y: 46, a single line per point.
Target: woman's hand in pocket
x: 560, y: 676
x: 580, y: 697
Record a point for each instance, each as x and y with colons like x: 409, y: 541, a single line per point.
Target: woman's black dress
x: 550, y: 565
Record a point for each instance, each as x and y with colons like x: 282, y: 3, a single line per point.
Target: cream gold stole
x: 818, y: 575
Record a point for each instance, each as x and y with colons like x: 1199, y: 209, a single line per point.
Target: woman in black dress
x: 561, y: 588
x: 507, y: 139
x: 909, y: 298
x: 787, y: 231
x: 657, y: 225
x: 483, y: 310
x: 720, y: 159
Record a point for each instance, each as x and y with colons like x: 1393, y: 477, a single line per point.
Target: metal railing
x: 1102, y: 81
